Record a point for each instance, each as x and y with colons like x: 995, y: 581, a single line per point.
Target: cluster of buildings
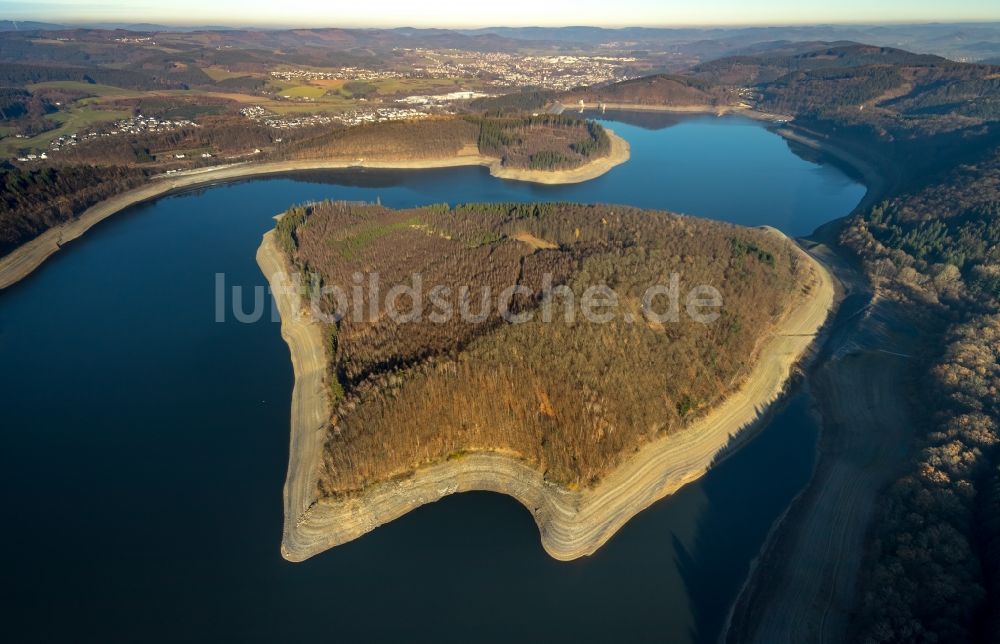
x: 498, y: 68
x: 137, y: 125
x: 343, y: 73
x: 136, y: 41
x: 258, y: 114
x: 33, y: 157
x: 381, y: 114
x: 142, y: 124
x: 441, y: 99
x: 511, y: 70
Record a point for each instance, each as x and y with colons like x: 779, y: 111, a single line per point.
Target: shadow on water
x: 744, y: 493
x: 646, y: 120
x: 783, y: 454
x: 819, y: 156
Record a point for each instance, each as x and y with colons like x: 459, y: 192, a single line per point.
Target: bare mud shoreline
x: 20, y: 262
x: 572, y: 524
x: 803, y: 583
x: 717, y: 110
x: 871, y: 176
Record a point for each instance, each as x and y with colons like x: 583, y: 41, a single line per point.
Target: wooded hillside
x: 937, y: 249
x: 32, y: 201
x: 37, y: 199
x: 571, y: 397
x: 546, y: 142
x: 765, y: 68
x: 662, y: 89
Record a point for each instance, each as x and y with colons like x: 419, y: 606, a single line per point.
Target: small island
x: 585, y: 420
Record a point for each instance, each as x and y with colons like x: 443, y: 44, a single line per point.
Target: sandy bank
x: 310, y: 406
x: 20, y: 262
x: 571, y: 523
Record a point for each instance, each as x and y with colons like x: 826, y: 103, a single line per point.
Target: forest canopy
x: 545, y: 142
x: 572, y: 397
x: 32, y: 201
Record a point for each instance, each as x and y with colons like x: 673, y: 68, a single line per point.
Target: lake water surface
x: 143, y: 446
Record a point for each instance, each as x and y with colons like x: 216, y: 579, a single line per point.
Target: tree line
x: 545, y: 142
x: 661, y: 89
x: 34, y: 200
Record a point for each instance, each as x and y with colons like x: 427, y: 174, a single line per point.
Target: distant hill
x: 898, y: 95
x: 768, y: 67
x: 787, y: 47
x: 957, y: 41
x: 960, y: 42
x: 661, y: 89
x: 17, y: 25
x: 889, y: 90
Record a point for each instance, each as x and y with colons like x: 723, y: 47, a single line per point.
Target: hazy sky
x: 421, y: 13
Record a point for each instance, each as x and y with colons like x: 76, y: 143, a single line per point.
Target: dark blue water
x: 144, y: 445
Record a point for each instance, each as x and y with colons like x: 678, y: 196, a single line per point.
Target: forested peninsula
x: 43, y: 208
x: 391, y: 414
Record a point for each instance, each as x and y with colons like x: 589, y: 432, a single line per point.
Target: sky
x: 482, y: 13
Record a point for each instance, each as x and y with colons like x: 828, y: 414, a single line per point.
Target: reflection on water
x: 647, y: 120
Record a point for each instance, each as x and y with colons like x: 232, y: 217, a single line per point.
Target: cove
x: 144, y: 446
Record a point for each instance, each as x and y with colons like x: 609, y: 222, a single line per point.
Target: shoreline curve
x: 571, y: 524
x: 24, y: 259
x: 717, y: 110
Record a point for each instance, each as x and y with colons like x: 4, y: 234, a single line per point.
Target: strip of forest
x: 33, y: 200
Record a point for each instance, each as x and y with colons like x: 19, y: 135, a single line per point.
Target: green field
x: 76, y: 120
x: 419, y: 85
x: 327, y: 104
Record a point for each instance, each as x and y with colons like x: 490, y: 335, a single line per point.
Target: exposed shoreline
x: 23, y: 260
x: 572, y: 524
x: 717, y: 110
x: 619, y: 154
x: 872, y: 178
x: 803, y: 581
